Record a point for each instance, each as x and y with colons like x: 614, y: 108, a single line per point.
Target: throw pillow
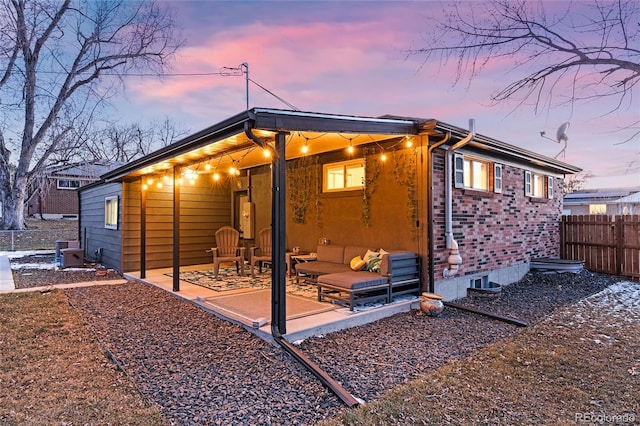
x: 383, y: 252
x: 374, y: 263
x: 357, y: 263
x: 370, y: 254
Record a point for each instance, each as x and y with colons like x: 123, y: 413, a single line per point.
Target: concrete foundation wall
x: 456, y: 288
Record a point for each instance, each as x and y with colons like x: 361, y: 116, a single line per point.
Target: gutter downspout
x: 454, y: 256
x: 278, y: 298
x: 432, y: 245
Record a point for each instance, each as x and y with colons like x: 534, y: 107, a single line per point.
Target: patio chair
x: 228, y: 250
x: 261, y: 253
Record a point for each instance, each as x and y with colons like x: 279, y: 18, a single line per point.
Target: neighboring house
x: 501, y: 204
x: 629, y: 204
x: 609, y: 201
x: 52, y: 194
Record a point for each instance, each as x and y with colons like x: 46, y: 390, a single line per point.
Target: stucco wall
x: 339, y: 216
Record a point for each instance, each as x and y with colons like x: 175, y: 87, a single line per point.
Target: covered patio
x: 235, y: 174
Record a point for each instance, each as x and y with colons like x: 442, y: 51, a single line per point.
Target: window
x: 474, y: 173
x: 537, y: 185
x: 68, y: 184
x: 111, y: 212
x: 343, y: 176
x: 497, y: 177
x: 597, y: 209
x: 481, y: 282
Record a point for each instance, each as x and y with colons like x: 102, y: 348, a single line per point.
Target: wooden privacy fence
x: 607, y: 244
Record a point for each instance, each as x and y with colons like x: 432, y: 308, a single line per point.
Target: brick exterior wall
x: 496, y: 230
x: 55, y: 202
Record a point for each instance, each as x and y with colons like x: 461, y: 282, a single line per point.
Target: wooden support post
x: 143, y: 230
x: 176, y: 229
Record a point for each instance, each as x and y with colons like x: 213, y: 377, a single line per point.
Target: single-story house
x: 52, y: 192
x: 473, y: 208
x: 608, y: 201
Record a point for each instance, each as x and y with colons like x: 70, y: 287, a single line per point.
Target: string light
x: 216, y: 176
x: 409, y: 143
x: 207, y: 167
x: 350, y: 149
x: 266, y: 153
x: 383, y: 157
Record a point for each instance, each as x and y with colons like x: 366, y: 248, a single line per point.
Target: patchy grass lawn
x: 53, y: 371
x: 580, y: 366
x: 39, y: 235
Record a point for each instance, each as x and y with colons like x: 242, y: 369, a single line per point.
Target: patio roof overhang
x: 227, y: 143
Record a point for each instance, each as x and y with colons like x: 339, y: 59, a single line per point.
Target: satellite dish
x: 561, y: 135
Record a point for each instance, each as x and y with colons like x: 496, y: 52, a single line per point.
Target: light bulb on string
x: 409, y: 143
x: 350, y: 149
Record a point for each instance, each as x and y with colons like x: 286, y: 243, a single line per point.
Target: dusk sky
x: 350, y: 58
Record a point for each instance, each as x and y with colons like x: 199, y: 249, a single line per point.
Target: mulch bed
x: 201, y: 369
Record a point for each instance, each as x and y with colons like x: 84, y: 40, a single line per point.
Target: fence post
x: 619, y: 245
x: 562, y: 237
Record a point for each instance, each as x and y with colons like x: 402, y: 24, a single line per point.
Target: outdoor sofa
x: 397, y: 273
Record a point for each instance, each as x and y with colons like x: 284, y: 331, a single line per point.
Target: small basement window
x: 537, y: 185
x: 111, y: 212
x: 343, y: 176
x: 480, y: 282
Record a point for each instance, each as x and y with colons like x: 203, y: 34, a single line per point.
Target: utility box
x: 72, y: 258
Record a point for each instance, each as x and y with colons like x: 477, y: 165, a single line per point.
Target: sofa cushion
x: 319, y: 268
x: 352, y: 251
x: 331, y: 253
x: 352, y: 280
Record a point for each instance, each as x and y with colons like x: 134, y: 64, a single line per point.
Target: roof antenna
x: 561, y: 136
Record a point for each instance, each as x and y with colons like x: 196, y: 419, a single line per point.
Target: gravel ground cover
x: 36, y: 270
x: 200, y: 369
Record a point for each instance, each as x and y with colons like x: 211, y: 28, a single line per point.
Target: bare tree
x: 166, y: 132
x: 59, y: 60
x: 574, y: 183
x: 592, y: 47
x: 126, y: 142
